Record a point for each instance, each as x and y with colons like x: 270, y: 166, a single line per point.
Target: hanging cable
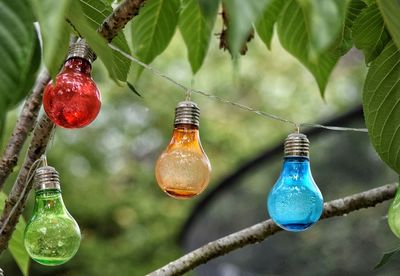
x: 223, y: 100
x: 31, y: 173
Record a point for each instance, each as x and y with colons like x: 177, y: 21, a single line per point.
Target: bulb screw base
x: 187, y: 112
x: 297, y: 144
x: 46, y: 178
x: 82, y: 50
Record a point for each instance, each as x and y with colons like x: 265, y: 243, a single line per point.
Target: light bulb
x: 295, y: 203
x: 52, y: 236
x: 183, y: 169
x: 74, y: 100
x: 394, y: 214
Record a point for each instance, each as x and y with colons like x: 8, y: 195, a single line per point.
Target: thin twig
x: 261, y: 231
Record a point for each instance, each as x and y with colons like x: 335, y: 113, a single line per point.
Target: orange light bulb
x: 183, y: 169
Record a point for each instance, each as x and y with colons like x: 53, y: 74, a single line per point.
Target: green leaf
x: 18, y: 52
x: 265, y: 24
x: 209, y: 8
x: 96, y: 11
x: 391, y: 14
x: 381, y: 98
x: 369, y: 33
x: 3, y: 117
x: 295, y: 38
x: 85, y: 16
x: 54, y: 30
x: 153, y: 28
x: 294, y: 35
x: 133, y: 88
x: 354, y: 9
x: 97, y: 43
x: 242, y: 14
x: 324, y: 21
x: 16, y: 244
x: 387, y: 257
x: 196, y: 31
x: 26, y: 86
x: 369, y: 2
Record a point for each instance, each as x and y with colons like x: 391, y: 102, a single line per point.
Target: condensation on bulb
x: 295, y: 202
x: 52, y: 236
x: 183, y: 169
x: 74, y: 100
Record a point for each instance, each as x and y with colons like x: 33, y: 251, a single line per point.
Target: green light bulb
x: 52, y: 236
x: 394, y: 214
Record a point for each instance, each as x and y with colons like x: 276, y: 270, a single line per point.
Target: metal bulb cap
x: 297, y: 144
x: 82, y: 50
x: 187, y: 112
x: 46, y: 178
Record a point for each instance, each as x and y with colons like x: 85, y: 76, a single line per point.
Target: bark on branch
x: 263, y: 230
x: 16, y: 200
x: 118, y: 19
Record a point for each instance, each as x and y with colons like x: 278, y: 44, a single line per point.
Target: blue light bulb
x: 295, y: 203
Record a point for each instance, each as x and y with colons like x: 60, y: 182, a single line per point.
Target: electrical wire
x: 31, y: 174
x: 189, y: 90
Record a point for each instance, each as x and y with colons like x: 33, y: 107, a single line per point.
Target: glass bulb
x: 183, y: 169
x: 74, y: 100
x: 52, y: 236
x: 394, y: 214
x: 295, y: 203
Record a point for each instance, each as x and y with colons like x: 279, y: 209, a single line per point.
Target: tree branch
x: 260, y: 160
x: 16, y: 200
x: 27, y: 118
x: 23, y: 127
x: 118, y: 19
x: 263, y: 230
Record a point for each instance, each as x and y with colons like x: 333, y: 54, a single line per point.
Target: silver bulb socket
x: 82, y: 50
x: 297, y: 144
x: 187, y: 112
x: 46, y: 178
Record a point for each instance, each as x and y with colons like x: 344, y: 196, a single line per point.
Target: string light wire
x: 189, y: 90
x: 31, y: 174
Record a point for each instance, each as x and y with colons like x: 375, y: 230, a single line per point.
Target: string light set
x: 182, y: 171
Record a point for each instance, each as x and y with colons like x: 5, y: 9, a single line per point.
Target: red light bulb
x: 74, y: 100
